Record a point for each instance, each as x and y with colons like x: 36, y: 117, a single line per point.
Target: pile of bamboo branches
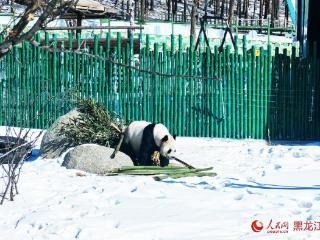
x: 94, y: 125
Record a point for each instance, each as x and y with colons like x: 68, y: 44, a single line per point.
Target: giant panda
x: 142, y: 139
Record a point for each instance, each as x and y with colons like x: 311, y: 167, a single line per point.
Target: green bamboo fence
x: 253, y: 94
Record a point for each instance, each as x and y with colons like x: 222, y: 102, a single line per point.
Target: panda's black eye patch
x: 169, y: 151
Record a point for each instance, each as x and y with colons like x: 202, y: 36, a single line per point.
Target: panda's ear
x: 174, y: 136
x: 165, y: 138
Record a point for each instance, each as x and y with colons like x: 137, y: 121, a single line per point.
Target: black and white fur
x: 142, y: 138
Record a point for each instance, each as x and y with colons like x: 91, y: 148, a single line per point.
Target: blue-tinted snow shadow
x: 202, y: 184
x: 35, y: 153
x: 255, y: 185
x: 271, y: 186
x: 295, y: 143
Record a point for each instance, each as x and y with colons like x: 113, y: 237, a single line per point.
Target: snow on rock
x: 255, y: 181
x: 94, y: 158
x: 54, y: 143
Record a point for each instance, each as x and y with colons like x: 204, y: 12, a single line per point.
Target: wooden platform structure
x: 89, y: 9
x: 90, y: 43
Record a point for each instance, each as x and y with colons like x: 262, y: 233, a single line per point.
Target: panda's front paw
x: 164, y: 161
x: 155, y: 157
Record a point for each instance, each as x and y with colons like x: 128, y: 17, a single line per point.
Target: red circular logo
x: 257, y: 226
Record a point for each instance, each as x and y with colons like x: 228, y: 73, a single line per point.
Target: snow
x: 255, y: 181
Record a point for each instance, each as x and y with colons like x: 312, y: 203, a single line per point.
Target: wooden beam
x: 92, y: 27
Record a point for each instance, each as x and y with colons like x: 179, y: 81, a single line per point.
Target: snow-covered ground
x: 255, y: 181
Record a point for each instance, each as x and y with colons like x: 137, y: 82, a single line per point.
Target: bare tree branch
x: 50, y: 10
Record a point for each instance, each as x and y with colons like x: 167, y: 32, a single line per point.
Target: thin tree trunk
x: 194, y: 17
x: 222, y: 8
x: 254, y: 9
x: 230, y: 12
x: 276, y: 9
x: 185, y: 10
x: 142, y: 11
x: 130, y: 14
x: 169, y: 9
x: 260, y: 12
x: 128, y: 6
x: 272, y: 12
x: 266, y: 8
x: 239, y: 8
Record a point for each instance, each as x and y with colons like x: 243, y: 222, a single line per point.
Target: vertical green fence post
x: 275, y: 91
x: 207, y: 94
x: 2, y: 99
x: 316, y: 67
x: 124, y: 80
x: 178, y: 109
x: 259, y: 104
x: 233, y: 95
x: 253, y: 93
x: 312, y: 91
x: 102, y: 76
x: 294, y: 95
x: 191, y: 87
x: 268, y: 90
x: 47, y: 83
x: 127, y: 90
x: 241, y: 96
x: 95, y: 78
x: 29, y: 87
x: 245, y: 88
x: 156, y: 85
x: 286, y: 93
x: 37, y: 97
x: 160, y: 85
x: 164, y: 84
x: 108, y: 90
x: 135, y: 101
x: 54, y: 78
x: 249, y: 92
x: 62, y: 62
x: 81, y: 75
x: 90, y: 71
x: 262, y: 81
x: 217, y: 93
x: 227, y: 75
x: 71, y: 73
x: 142, y: 82
x: 7, y: 119
x: 146, y: 82
x: 17, y: 109
x: 119, y: 75
x: 299, y: 73
x: 236, y: 91
x: 184, y: 94
x: 222, y: 101
x: 172, y: 81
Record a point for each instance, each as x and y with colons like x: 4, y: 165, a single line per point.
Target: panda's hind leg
x: 127, y: 149
x: 145, y: 157
x: 147, y: 147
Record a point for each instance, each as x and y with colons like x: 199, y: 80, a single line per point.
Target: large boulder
x: 54, y: 143
x: 94, y: 158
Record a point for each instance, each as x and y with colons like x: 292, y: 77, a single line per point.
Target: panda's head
x: 168, y: 146
x: 164, y: 140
